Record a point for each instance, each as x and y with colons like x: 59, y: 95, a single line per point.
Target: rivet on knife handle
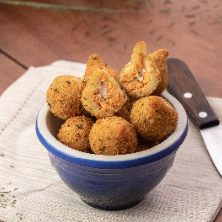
x: 184, y: 87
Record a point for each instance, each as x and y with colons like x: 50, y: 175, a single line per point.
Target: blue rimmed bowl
x: 111, y: 182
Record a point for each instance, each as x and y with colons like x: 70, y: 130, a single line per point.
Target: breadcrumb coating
x: 95, y: 61
x: 74, y: 133
x: 154, y: 118
x: 160, y: 59
x: 140, y: 77
x: 103, y: 95
x: 113, y: 136
x: 63, y: 96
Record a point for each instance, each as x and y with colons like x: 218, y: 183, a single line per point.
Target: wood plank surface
x: 36, y: 33
x: 9, y: 71
x: 190, y: 30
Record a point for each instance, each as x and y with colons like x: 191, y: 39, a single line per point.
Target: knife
x: 184, y: 87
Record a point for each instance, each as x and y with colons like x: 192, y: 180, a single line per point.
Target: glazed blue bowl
x: 111, y: 182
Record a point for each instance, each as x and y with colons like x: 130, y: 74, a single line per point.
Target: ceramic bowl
x: 111, y: 182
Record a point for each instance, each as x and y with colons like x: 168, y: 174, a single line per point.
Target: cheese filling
x: 140, y: 75
x: 102, y: 91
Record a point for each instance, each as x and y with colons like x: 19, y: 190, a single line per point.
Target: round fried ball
x: 113, y: 136
x: 74, y: 133
x: 154, y: 118
x: 63, y: 96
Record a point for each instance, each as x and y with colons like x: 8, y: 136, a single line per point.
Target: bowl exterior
x: 110, y: 182
x: 112, y: 189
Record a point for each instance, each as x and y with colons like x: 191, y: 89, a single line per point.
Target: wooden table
x: 35, y: 33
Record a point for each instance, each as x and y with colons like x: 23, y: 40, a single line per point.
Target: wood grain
x: 9, y: 71
x: 191, y: 32
x: 182, y: 82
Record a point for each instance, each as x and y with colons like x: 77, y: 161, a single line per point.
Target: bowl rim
x: 159, y: 151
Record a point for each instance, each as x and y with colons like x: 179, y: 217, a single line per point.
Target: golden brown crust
x: 63, y: 96
x: 95, y: 61
x: 74, y: 133
x: 154, y: 118
x: 140, y: 77
x: 160, y: 59
x: 113, y: 136
x: 108, y: 111
x: 103, y: 95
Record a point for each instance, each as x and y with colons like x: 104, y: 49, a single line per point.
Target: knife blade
x: 184, y: 87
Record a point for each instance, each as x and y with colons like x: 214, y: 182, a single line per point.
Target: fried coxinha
x: 95, y: 61
x: 74, y: 133
x: 113, y: 136
x: 112, y: 113
x: 102, y: 95
x: 154, y: 118
x: 145, y: 74
x: 63, y: 96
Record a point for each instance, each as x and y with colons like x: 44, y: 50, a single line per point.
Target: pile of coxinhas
x: 112, y: 113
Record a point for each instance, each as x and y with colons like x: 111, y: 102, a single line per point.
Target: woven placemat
x: 31, y: 190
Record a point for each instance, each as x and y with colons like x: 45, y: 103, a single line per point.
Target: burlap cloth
x: 31, y: 190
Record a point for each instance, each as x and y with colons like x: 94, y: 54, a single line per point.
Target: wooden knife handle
x: 184, y: 87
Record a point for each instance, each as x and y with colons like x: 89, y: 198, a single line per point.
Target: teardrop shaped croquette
x: 74, y: 133
x: 113, y: 136
x: 103, y: 95
x: 140, y: 77
x: 160, y: 59
x: 95, y: 61
x: 153, y: 118
x: 63, y: 96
